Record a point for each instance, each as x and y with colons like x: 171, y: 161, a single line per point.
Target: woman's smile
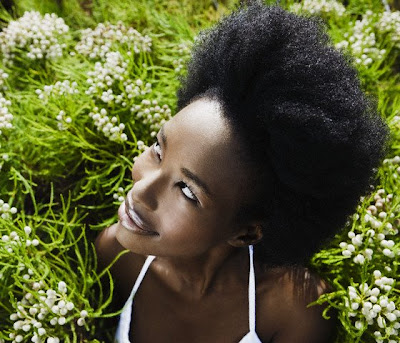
x: 132, y: 221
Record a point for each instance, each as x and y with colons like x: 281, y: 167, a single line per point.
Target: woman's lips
x: 132, y: 221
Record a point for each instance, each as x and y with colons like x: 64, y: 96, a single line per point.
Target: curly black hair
x: 304, y: 121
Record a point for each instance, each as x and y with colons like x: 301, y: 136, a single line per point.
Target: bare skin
x: 197, y: 287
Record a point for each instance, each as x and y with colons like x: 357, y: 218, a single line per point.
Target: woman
x: 273, y: 144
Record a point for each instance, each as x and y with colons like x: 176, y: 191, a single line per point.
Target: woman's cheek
x: 177, y: 218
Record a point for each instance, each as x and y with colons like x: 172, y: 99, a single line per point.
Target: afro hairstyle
x: 297, y: 105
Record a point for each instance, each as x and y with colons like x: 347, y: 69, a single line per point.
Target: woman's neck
x: 199, y: 276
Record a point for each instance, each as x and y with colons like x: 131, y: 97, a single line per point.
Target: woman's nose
x: 147, y: 189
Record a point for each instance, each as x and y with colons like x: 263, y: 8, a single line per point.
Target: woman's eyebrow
x: 163, y: 136
x: 194, y: 178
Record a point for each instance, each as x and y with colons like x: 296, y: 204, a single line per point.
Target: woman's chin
x: 131, y: 241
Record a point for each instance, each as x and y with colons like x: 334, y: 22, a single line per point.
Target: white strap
x: 142, y: 273
x: 126, y: 314
x: 252, y: 293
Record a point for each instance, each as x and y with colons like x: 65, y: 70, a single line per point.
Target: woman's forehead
x: 204, y: 116
x: 200, y: 139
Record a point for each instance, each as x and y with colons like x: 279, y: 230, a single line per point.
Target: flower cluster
x: 383, y: 282
x: 106, y: 74
x: 152, y: 114
x: 112, y: 75
x: 3, y: 77
x: 393, y: 162
x: 5, y: 116
x: 40, y: 312
x: 120, y: 195
x: 362, y: 42
x: 133, y: 89
x: 42, y: 308
x: 319, y: 7
x: 389, y: 23
x: 97, y: 42
x: 13, y: 239
x: 62, y: 120
x: 37, y: 36
x: 368, y: 306
x: 60, y: 88
x: 5, y: 209
x: 141, y: 147
x: 183, y: 51
x: 109, y: 126
x: 377, y: 227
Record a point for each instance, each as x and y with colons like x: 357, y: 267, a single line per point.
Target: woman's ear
x: 249, y: 235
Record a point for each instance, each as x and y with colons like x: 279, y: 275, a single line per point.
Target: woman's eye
x: 183, y: 186
x: 187, y: 191
x: 157, y: 149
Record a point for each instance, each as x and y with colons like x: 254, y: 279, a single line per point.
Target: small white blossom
x: 5, y: 117
x: 62, y: 121
x: 152, y: 114
x: 104, y: 124
x: 97, y: 42
x: 362, y: 41
x: 27, y: 230
x: 33, y: 36
x: 3, y: 78
x: 59, y: 89
x: 389, y: 25
x: 319, y: 7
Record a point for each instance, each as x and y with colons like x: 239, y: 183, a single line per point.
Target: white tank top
x: 122, y: 334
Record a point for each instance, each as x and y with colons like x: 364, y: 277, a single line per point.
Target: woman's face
x: 188, y: 187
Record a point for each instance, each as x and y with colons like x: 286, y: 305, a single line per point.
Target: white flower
x: 319, y: 7
x: 105, y: 124
x: 62, y: 287
x: 34, y: 36
x: 359, y: 259
x: 389, y: 25
x: 362, y: 41
x: 5, y: 117
x: 97, y: 42
x: 151, y: 114
x: 27, y: 230
x: 358, y: 325
x: 3, y: 77
x: 62, y: 120
x: 59, y: 89
x: 381, y: 322
x: 26, y: 327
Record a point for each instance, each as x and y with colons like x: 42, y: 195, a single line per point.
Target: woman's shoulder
x: 283, y: 295
x: 125, y: 269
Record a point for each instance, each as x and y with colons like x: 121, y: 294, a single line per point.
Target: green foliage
x: 48, y: 266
